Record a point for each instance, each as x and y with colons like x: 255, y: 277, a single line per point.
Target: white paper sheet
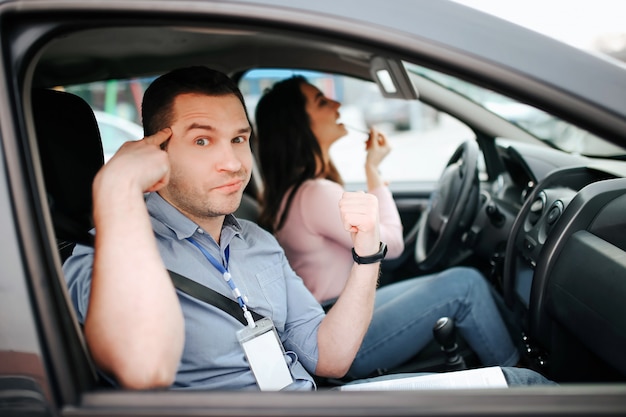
x: 491, y: 377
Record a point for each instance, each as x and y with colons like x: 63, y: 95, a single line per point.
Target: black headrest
x: 71, y: 154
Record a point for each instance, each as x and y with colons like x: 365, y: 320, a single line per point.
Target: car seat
x: 71, y: 154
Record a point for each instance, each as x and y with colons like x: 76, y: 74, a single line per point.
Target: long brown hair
x: 288, y: 150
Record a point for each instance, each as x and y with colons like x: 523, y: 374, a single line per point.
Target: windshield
x: 544, y: 126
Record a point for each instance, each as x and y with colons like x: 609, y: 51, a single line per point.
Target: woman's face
x: 323, y: 114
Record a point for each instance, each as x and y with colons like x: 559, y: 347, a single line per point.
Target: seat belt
x: 193, y: 289
x: 211, y: 296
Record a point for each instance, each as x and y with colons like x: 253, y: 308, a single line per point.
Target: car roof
x: 452, y: 37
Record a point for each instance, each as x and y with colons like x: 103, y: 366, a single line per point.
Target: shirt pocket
x: 274, y: 289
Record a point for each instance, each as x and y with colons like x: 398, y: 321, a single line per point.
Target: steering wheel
x: 451, y: 208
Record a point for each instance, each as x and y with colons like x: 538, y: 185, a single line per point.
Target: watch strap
x: 377, y: 257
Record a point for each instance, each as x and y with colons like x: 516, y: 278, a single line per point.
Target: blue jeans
x: 405, y: 313
x: 522, y: 376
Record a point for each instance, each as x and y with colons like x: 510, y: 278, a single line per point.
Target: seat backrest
x: 71, y: 154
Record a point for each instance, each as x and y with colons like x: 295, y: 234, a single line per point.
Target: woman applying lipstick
x: 296, y: 127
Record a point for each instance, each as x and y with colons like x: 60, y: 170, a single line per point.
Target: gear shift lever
x: 444, y: 332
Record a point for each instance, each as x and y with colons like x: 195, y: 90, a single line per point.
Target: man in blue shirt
x: 194, y: 163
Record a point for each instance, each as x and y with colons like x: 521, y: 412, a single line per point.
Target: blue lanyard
x: 241, y: 299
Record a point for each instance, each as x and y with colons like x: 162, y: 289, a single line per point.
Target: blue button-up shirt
x: 212, y: 357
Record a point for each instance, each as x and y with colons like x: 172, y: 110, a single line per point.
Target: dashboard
x: 564, y: 267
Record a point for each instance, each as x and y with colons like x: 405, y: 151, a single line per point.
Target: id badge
x: 265, y: 355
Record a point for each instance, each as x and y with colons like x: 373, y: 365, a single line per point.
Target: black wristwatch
x: 377, y: 257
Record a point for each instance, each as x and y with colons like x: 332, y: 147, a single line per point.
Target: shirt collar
x: 180, y: 224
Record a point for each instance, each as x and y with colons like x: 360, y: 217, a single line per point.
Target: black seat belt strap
x: 211, y: 296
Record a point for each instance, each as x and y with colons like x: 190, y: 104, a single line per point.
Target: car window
x: 546, y: 127
x: 117, y: 107
x: 115, y: 130
x: 422, y: 138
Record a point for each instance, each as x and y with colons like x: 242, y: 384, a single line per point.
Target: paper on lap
x: 491, y: 377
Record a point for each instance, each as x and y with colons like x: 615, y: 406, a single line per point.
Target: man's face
x: 209, y: 154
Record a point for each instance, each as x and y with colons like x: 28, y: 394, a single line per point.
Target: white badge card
x: 265, y: 355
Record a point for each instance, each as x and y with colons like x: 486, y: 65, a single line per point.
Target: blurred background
x: 595, y: 26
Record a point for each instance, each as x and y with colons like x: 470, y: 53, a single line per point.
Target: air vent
x: 536, y: 209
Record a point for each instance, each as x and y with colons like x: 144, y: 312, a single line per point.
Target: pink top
x: 315, y: 242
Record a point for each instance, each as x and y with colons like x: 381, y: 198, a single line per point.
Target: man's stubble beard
x: 187, y: 200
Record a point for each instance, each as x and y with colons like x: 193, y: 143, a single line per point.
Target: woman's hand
x: 377, y: 148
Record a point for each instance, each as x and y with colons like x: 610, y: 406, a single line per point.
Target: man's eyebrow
x: 199, y: 126
x: 193, y: 126
x: 246, y: 129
